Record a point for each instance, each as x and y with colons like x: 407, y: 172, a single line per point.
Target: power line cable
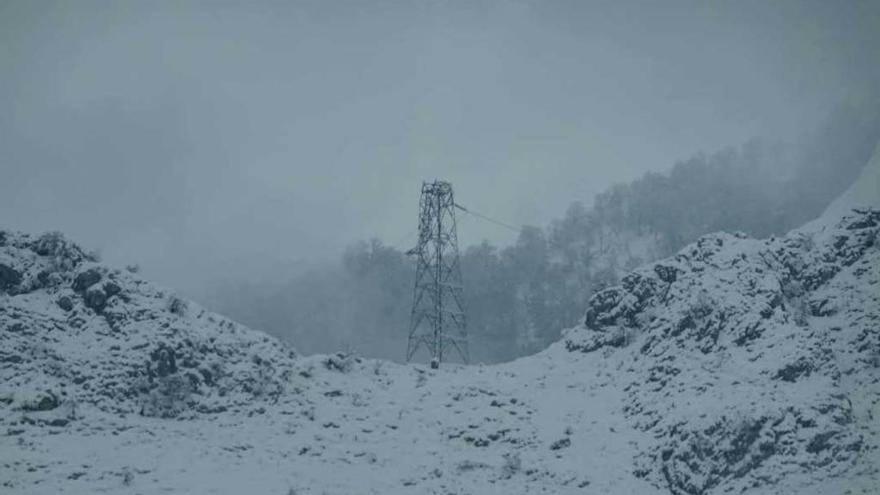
x: 489, y: 219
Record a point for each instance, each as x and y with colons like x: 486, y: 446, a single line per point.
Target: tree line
x: 519, y: 297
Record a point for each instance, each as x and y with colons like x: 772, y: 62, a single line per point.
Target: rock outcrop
x: 752, y: 359
x: 84, y: 333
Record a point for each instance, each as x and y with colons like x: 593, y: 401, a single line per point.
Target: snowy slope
x: 78, y: 332
x: 738, y: 365
x: 108, y: 383
x: 752, y: 363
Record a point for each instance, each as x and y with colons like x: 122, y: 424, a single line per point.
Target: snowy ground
x: 551, y: 423
x: 538, y: 426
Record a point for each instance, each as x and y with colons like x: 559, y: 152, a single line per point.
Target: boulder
x: 42, y: 401
x: 95, y: 298
x: 111, y: 289
x: 9, y: 278
x: 65, y: 303
x: 86, y: 279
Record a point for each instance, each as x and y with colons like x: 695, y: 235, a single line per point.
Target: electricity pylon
x: 437, y: 321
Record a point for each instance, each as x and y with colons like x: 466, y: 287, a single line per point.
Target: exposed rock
x: 164, y: 362
x: 86, y: 279
x: 177, y: 306
x: 561, y: 444
x: 111, y: 289
x: 65, y: 303
x: 43, y: 401
x: 9, y: 278
x: 95, y: 299
x: 793, y: 371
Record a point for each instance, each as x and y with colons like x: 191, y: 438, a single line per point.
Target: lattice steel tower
x: 437, y: 321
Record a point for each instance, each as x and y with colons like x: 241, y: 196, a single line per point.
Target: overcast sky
x: 210, y: 140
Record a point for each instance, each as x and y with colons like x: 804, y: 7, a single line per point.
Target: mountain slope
x: 737, y: 365
x: 752, y: 363
x: 78, y: 332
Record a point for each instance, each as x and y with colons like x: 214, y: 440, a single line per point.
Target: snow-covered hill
x: 751, y: 363
x: 77, y: 332
x: 738, y: 365
x: 111, y: 384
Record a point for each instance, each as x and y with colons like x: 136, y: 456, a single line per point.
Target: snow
x: 737, y: 365
x: 393, y: 429
x: 270, y: 421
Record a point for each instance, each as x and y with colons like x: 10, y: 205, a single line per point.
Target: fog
x: 239, y: 140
